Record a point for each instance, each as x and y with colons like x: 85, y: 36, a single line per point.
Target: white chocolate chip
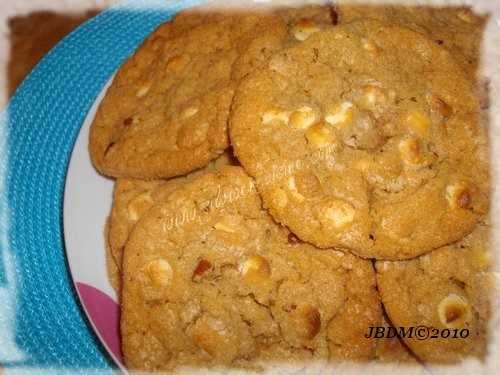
x: 291, y: 184
x: 418, y: 122
x: 320, y: 135
x: 192, y: 134
x: 189, y: 112
x: 233, y: 225
x: 302, y: 118
x: 208, y: 333
x: 138, y: 205
x: 143, y: 90
x: 223, y: 227
x: 465, y: 15
x: 159, y: 272
x: 373, y: 97
x: 409, y: 150
x: 255, y: 269
x: 458, y: 195
x: 178, y: 63
x: 274, y: 116
x: 454, y: 311
x: 340, y: 115
x: 304, y: 29
x: 293, y: 190
x: 339, y: 213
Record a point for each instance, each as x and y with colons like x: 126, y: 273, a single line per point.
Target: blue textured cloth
x: 41, y: 322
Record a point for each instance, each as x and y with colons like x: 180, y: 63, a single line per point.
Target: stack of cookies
x: 289, y: 178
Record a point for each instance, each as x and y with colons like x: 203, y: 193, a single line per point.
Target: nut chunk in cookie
x: 211, y: 280
x: 365, y: 136
x: 448, y: 289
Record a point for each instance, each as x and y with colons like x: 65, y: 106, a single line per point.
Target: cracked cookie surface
x: 165, y: 113
x: 365, y: 137
x: 211, y: 280
x: 446, y: 289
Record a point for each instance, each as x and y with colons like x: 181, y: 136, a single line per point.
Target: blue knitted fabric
x: 41, y: 322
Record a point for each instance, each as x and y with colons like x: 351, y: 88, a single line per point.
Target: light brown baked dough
x: 458, y: 29
x: 112, y: 269
x: 211, y: 280
x: 166, y: 111
x: 297, y: 24
x: 392, y: 350
x: 132, y: 198
x: 446, y: 289
x: 365, y: 136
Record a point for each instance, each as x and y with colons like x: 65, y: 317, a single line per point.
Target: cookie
x: 166, y: 111
x: 457, y: 29
x: 447, y: 289
x: 132, y: 198
x: 297, y: 24
x: 211, y: 280
x: 365, y: 137
x: 391, y: 350
x: 112, y: 269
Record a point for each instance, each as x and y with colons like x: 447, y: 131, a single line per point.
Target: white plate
x: 87, y: 202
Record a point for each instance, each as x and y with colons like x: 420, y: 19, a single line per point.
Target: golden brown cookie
x: 457, y: 29
x: 166, y: 111
x: 392, y: 350
x: 132, y: 198
x: 211, y: 280
x: 365, y: 137
x: 393, y: 356
x: 448, y: 290
x: 298, y: 24
x: 112, y: 269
